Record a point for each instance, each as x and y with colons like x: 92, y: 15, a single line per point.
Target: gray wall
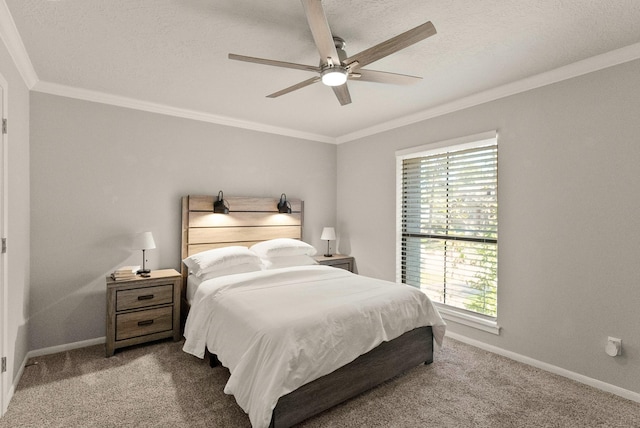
x: 17, y: 233
x: 569, y: 204
x: 100, y: 174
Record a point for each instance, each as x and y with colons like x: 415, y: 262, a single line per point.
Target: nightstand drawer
x: 141, y: 323
x: 345, y: 266
x: 144, y: 297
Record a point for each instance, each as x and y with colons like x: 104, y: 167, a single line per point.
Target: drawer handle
x: 147, y: 322
x: 146, y: 297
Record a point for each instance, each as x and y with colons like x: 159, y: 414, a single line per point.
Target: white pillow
x: 220, y: 258
x: 243, y: 268
x: 288, y: 261
x: 282, y: 247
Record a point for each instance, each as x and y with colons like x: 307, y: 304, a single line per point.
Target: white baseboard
x: 65, y: 347
x: 624, y: 393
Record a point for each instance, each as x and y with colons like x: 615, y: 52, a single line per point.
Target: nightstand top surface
x: 333, y: 257
x: 154, y: 274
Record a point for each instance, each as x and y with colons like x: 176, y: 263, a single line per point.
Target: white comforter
x: 278, y: 330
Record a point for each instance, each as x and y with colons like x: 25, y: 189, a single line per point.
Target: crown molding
x: 15, y: 46
x: 589, y: 65
x: 12, y: 40
x: 136, y: 104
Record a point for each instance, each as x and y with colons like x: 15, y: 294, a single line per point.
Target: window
x: 448, y: 225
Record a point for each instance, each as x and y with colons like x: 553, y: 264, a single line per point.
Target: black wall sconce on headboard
x: 284, y: 206
x: 221, y: 206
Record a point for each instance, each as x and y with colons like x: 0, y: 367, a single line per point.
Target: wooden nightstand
x: 140, y: 310
x: 337, y: 260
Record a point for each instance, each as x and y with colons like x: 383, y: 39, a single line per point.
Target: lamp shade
x: 143, y: 241
x: 328, y: 234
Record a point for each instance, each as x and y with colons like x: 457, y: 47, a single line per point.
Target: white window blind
x: 449, y: 226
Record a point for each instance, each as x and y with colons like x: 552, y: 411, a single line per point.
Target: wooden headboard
x: 250, y: 220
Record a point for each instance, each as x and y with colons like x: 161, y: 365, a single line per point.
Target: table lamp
x: 143, y: 241
x: 328, y: 234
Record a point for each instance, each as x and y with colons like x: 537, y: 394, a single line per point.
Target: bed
x: 231, y: 316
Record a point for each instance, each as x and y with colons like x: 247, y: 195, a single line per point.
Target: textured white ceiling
x: 174, y: 52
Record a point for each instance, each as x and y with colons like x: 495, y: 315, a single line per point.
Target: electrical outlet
x: 614, y: 346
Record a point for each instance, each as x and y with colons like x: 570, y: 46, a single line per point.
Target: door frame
x: 3, y: 256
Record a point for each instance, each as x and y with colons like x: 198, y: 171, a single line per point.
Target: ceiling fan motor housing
x: 342, y: 54
x: 335, y: 74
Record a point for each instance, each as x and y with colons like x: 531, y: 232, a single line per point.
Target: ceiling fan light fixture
x: 334, y: 76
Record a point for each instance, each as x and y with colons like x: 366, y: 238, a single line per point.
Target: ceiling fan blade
x: 274, y: 63
x: 392, y: 45
x: 320, y: 30
x: 295, y: 87
x: 384, y: 77
x: 342, y: 93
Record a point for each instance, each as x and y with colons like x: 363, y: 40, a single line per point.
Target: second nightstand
x: 338, y: 261
x: 143, y: 309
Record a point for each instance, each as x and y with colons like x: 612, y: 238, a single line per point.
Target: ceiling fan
x: 335, y: 66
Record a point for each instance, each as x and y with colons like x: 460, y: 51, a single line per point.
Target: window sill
x: 450, y: 314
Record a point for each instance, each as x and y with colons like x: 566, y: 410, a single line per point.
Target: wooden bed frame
x: 251, y: 220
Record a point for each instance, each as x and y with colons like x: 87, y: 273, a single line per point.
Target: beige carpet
x: 159, y: 385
